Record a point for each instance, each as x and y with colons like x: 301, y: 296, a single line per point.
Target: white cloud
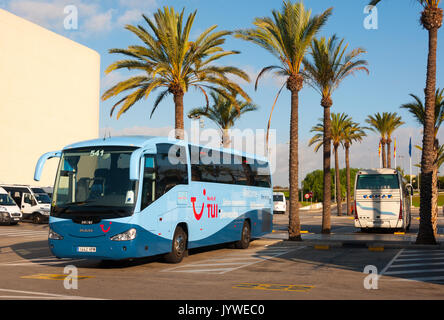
x: 129, y: 17
x: 93, y: 18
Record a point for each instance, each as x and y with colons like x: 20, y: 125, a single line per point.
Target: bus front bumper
x: 145, y: 244
x: 385, y: 224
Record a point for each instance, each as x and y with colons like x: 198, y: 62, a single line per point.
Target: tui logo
x: 211, y: 207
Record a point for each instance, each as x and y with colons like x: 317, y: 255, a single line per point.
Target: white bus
x: 382, y: 200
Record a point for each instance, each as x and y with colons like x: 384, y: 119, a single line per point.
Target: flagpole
x: 394, y: 153
x: 410, y: 156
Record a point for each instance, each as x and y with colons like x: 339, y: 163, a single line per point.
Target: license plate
x: 86, y: 249
x: 16, y: 219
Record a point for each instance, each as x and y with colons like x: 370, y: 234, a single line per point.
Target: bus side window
x: 149, y: 182
x: 171, y: 167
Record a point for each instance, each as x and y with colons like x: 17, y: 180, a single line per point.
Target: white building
x: 49, y: 97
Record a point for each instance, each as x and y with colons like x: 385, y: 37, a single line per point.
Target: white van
x: 382, y: 200
x: 9, y: 211
x: 34, y: 206
x: 279, y: 202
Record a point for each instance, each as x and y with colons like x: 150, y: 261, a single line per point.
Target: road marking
x: 417, y: 264
x: 394, y: 268
x: 48, y: 276
x: 390, y: 263
x: 412, y: 271
x: 41, y: 295
x: 229, y: 263
x: 421, y: 259
x: 274, y: 287
x: 49, y: 260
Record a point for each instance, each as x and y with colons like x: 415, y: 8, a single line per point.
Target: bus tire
x: 244, y: 242
x: 37, y: 218
x: 410, y: 222
x: 178, y: 247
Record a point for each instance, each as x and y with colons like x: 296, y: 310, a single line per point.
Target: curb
x: 371, y: 245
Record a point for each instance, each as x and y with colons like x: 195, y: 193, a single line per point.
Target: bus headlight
x: 125, y: 236
x: 54, y: 235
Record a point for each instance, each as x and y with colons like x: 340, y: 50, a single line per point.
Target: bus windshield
x: 94, y: 181
x: 377, y: 181
x: 42, y: 198
x: 6, y: 200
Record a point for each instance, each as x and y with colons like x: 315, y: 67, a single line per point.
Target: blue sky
x: 396, y: 52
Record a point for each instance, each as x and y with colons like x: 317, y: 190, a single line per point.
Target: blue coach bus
x: 130, y: 197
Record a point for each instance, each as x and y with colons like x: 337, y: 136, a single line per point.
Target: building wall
x: 49, y: 97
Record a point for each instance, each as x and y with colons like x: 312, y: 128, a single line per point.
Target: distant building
x: 49, y: 97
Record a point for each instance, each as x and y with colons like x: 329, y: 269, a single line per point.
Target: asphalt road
x: 269, y: 269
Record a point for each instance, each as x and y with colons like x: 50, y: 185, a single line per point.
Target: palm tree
x: 223, y: 113
x: 287, y: 35
x: 378, y: 124
x: 339, y: 124
x: 351, y: 133
x: 417, y: 109
x: 169, y: 61
x: 431, y: 20
x: 393, y: 123
x: 330, y: 66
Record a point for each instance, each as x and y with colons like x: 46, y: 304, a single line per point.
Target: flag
x: 394, y: 152
x: 380, y: 149
x: 410, y: 147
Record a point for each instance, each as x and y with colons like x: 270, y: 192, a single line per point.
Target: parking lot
x: 271, y: 268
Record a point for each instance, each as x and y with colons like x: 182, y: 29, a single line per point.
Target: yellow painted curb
x: 399, y: 233
x: 377, y: 249
x: 322, y: 247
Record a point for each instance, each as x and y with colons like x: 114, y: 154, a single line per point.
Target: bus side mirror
x: 41, y: 163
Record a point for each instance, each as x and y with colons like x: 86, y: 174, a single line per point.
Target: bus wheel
x: 37, y: 219
x: 179, y: 247
x: 244, y: 242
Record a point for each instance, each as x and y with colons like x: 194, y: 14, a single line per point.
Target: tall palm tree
x: 378, y: 124
x: 417, y: 109
x: 431, y: 20
x: 339, y: 124
x: 352, y: 133
x: 330, y: 65
x: 287, y: 35
x: 393, y: 123
x: 171, y: 62
x: 223, y: 113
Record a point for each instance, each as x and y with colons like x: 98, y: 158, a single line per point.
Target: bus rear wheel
x: 179, y: 246
x: 244, y: 242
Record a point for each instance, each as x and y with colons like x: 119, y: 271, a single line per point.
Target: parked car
x: 34, y: 206
x: 279, y: 202
x: 9, y: 211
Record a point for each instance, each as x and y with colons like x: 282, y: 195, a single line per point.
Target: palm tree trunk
x: 389, y: 153
x: 326, y: 202
x: 435, y: 200
x: 384, y: 155
x: 294, y: 225
x: 179, y: 127
x: 338, y: 183
x: 426, y: 234
x: 347, y: 169
x: 226, y: 139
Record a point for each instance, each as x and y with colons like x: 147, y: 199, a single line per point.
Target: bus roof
x: 378, y: 171
x: 144, y: 141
